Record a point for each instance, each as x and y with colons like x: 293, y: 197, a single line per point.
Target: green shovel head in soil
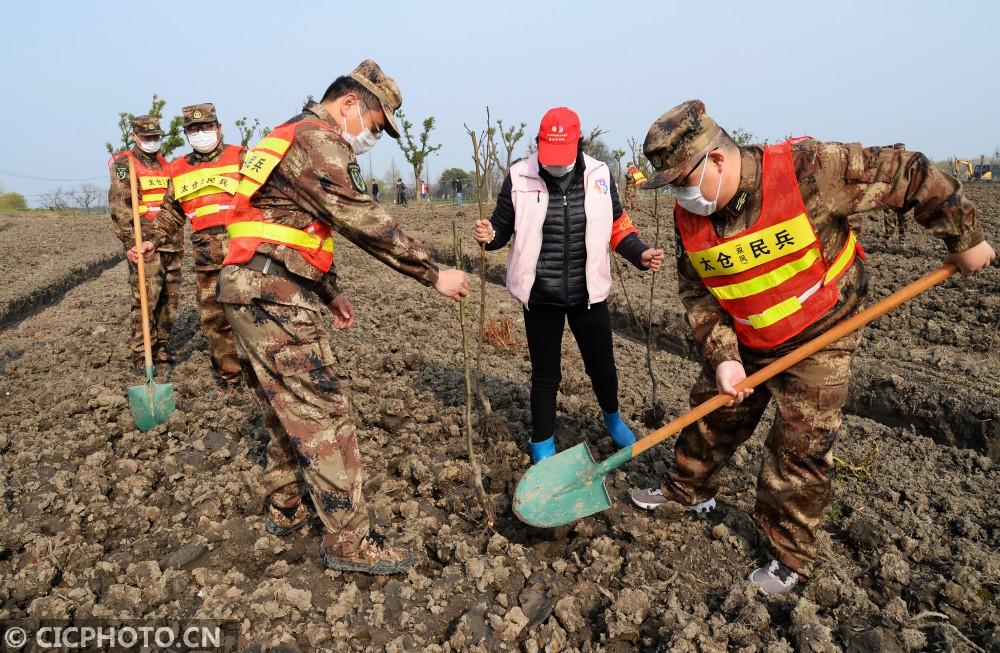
x: 151, y: 403
x: 565, y: 487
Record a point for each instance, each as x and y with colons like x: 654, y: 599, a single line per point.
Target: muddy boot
x: 285, y: 521
x: 621, y: 434
x: 774, y: 579
x: 162, y: 357
x: 542, y: 450
x: 375, y: 556
x: 652, y: 498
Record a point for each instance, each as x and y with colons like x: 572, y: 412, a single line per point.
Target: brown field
x: 101, y: 520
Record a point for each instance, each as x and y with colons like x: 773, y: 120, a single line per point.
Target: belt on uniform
x: 211, y: 231
x: 267, y: 265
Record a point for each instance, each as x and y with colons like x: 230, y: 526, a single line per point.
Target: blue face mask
x: 691, y: 199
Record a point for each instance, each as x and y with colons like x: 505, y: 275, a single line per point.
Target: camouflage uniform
x: 210, y: 247
x: 894, y: 221
x: 630, y: 187
x: 163, y: 277
x: 836, y: 180
x: 276, y: 317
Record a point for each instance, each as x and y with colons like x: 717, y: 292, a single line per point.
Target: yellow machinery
x: 961, y: 165
x: 981, y: 171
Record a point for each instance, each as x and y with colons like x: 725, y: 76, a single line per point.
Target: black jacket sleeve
x: 503, y: 216
x: 631, y: 247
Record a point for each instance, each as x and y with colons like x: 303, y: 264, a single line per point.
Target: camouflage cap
x: 679, y: 137
x: 146, y: 126
x: 369, y: 75
x: 199, y: 113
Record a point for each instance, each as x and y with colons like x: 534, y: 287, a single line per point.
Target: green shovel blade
x: 151, y: 403
x: 566, y: 487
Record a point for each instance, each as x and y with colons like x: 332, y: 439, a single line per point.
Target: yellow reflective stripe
x: 258, y: 165
x: 148, y: 183
x: 189, y: 182
x: 747, y: 252
x: 277, y: 145
x: 143, y: 208
x: 208, y: 209
x: 845, y: 257
x: 772, y: 279
x: 775, y: 313
x: 208, y: 190
x: 247, y: 187
x: 278, y: 233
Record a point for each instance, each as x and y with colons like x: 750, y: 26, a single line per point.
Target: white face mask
x: 204, y: 142
x: 559, y: 171
x: 149, y: 146
x: 691, y: 199
x: 364, y: 141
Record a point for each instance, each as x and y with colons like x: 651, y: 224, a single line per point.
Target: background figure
x: 375, y: 190
x: 163, y: 277
x: 456, y: 187
x: 633, y: 179
x: 400, y: 192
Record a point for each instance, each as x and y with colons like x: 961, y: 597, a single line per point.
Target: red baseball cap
x: 558, y: 137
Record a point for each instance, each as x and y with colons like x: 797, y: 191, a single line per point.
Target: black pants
x: 592, y: 329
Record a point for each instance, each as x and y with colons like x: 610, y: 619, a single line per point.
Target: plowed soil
x: 101, y: 520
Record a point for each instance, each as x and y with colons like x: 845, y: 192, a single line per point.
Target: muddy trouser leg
x: 154, y: 286
x: 222, y: 349
x: 282, y: 476
x: 293, y: 365
x: 795, y: 482
x: 630, y: 194
x: 592, y: 330
x: 703, y: 448
x: 165, y: 311
x: 543, y: 326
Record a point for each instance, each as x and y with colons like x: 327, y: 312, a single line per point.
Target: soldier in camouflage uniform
x: 203, y: 184
x: 163, y: 276
x: 699, y: 160
x: 631, y: 184
x: 302, y: 183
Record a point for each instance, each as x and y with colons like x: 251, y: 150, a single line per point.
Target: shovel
x: 151, y: 403
x: 570, y: 485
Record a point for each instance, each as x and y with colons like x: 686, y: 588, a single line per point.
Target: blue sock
x: 621, y: 434
x: 542, y: 450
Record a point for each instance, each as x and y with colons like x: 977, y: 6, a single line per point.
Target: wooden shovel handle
x: 140, y: 263
x: 791, y: 358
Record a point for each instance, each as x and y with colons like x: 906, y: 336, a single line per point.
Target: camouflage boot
x: 162, y: 357
x: 375, y: 556
x: 285, y: 521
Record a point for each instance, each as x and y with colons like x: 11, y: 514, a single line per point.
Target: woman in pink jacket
x: 560, y: 211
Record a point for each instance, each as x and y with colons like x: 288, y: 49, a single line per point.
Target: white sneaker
x: 774, y: 579
x: 652, y: 498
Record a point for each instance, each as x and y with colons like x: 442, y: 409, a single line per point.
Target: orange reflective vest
x: 246, y: 226
x: 636, y: 175
x: 774, y: 278
x: 152, y: 183
x: 205, y: 191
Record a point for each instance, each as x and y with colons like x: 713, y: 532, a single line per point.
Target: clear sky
x: 926, y: 73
